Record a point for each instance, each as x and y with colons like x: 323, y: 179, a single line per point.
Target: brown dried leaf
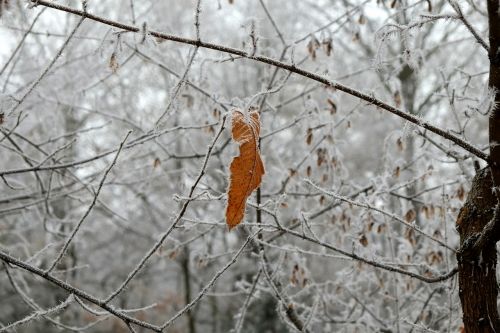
x: 309, y: 136
x: 428, y: 211
x: 293, y: 279
x: 209, y: 129
x: 324, y: 178
x: 216, y: 113
x: 172, y: 254
x: 189, y: 100
x: 247, y: 168
x: 397, y: 171
x: 399, y: 143
x: 156, y: 163
x: 411, y: 237
x: 201, y: 263
x: 461, y: 193
x: 434, y: 257
x: 410, y: 215
x: 308, y: 171
x: 321, y: 156
x: 327, y: 46
x: 370, y: 225
x: 397, y: 99
x: 298, y: 277
x: 113, y: 63
x: 312, y: 46
x: 437, y: 234
x: 333, y: 106
x: 335, y: 163
x: 429, y: 6
x: 363, y: 240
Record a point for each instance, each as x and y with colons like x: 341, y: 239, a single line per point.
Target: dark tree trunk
x: 477, y: 270
x: 477, y: 260
x: 494, y: 83
x: 186, y: 272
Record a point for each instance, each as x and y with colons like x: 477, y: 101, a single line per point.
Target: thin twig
x: 467, y: 24
x: 381, y: 211
x: 179, y: 216
x: 21, y: 42
x: 76, y: 291
x: 210, y: 284
x: 89, y: 209
x: 39, y: 313
x: 49, y: 66
x: 370, y: 262
x: 241, y: 318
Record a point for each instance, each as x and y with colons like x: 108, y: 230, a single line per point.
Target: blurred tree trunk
x: 477, y: 265
x: 409, y: 88
x: 185, y: 257
x: 186, y: 273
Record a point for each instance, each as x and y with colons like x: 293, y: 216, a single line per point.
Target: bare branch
x: 89, y: 209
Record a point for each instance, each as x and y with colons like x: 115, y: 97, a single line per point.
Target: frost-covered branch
x: 289, y: 67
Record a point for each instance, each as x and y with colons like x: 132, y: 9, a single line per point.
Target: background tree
x: 116, y: 148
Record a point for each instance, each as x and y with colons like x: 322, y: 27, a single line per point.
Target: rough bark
x: 494, y: 84
x: 477, y: 260
x: 477, y: 279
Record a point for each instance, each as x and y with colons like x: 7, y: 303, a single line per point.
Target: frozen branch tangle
x: 288, y: 67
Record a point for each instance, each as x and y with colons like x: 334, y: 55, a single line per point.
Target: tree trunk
x: 477, y: 271
x: 477, y: 265
x: 494, y: 84
x: 186, y: 273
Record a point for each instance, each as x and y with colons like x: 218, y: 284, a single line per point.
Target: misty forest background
x: 353, y: 228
